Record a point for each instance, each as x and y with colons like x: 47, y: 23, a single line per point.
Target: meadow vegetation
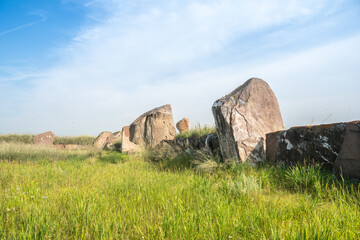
x: 28, y: 139
x: 92, y: 194
x: 198, y: 131
x: 79, y: 140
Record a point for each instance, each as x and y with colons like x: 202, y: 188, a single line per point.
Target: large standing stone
x: 183, y: 125
x: 153, y: 126
x: 319, y: 144
x: 127, y: 146
x: 244, y: 117
x: 348, y: 161
x: 46, y: 138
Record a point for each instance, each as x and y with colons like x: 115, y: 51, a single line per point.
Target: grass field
x: 90, y: 194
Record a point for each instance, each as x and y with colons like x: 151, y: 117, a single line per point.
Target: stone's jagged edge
x: 218, y: 107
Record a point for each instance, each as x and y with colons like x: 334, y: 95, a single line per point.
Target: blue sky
x: 84, y: 66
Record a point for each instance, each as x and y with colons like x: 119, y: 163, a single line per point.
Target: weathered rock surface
x: 183, y: 125
x: 127, y: 146
x: 153, y: 127
x: 101, y: 140
x: 208, y: 143
x: 46, y: 138
x: 244, y: 117
x: 106, y: 139
x: 312, y: 145
x: 348, y: 161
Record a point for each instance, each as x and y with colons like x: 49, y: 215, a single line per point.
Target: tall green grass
x: 17, y: 138
x: 28, y: 139
x: 78, y: 140
x: 97, y: 198
x: 18, y: 152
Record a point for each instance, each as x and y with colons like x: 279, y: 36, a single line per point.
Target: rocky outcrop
x: 183, y: 125
x: 207, y: 143
x: 106, y: 139
x: 153, y: 127
x: 323, y: 145
x: 46, y: 138
x: 243, y: 118
x: 127, y: 146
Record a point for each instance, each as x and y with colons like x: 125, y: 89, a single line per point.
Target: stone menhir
x: 183, y: 125
x: 46, y: 138
x: 322, y: 144
x: 105, y: 139
x: 153, y: 127
x: 127, y: 146
x: 243, y: 118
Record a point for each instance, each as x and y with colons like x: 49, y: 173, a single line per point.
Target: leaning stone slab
x: 319, y: 144
x: 347, y: 163
x: 106, y: 139
x: 46, y: 138
x: 153, y: 127
x: 102, y: 139
x: 243, y: 118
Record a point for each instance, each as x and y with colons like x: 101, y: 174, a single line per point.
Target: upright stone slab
x: 127, y: 146
x: 153, y: 127
x: 244, y: 117
x: 46, y: 138
x: 347, y: 163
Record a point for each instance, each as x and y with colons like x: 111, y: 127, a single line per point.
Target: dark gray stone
x: 306, y: 145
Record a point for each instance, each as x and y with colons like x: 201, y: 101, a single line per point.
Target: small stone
x: 183, y: 125
x: 46, y: 138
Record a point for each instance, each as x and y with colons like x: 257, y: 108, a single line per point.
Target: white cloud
x: 138, y: 58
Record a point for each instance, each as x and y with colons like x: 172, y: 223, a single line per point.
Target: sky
x: 80, y: 67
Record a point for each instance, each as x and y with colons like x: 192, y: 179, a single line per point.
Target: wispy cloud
x: 189, y: 53
x: 40, y: 14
